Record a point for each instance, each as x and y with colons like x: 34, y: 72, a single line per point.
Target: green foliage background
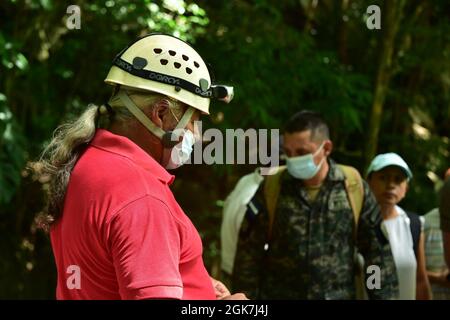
x: 281, y: 56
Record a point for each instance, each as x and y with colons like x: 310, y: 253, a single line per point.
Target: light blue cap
x: 384, y: 160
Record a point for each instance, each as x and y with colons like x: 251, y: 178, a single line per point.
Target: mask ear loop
x: 318, y: 150
x: 321, y: 162
x: 173, y: 114
x: 170, y: 138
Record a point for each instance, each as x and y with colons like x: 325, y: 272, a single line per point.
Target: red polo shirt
x: 122, y: 234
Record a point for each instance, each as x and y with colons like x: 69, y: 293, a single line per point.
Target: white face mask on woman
x: 304, y: 167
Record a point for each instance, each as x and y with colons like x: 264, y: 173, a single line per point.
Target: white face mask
x: 172, y: 157
x: 304, y: 167
x: 181, y: 152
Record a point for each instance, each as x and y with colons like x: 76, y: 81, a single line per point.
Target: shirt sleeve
x: 144, y: 242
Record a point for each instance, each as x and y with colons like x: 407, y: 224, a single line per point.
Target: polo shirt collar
x: 123, y: 146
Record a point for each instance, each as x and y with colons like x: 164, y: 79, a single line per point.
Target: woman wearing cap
x: 388, y: 176
x: 116, y: 230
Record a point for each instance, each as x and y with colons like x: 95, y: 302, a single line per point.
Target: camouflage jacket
x: 312, y: 245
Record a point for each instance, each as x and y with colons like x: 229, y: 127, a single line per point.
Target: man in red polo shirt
x: 117, y: 231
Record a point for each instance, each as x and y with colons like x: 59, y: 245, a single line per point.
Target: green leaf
x: 47, y: 4
x: 21, y: 61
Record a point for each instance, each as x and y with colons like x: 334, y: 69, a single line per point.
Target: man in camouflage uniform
x: 311, y: 251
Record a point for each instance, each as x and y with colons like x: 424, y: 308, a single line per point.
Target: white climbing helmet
x: 169, y: 66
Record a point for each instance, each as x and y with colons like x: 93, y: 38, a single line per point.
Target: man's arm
x: 375, y: 248
x: 144, y: 241
x: 423, y: 289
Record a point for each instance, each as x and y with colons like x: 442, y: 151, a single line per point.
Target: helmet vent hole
x: 177, y: 65
x: 157, y: 50
x: 196, y: 64
x: 185, y: 58
x: 189, y: 70
x: 164, y: 61
x: 172, y: 53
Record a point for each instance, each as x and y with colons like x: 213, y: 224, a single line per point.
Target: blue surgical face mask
x: 304, y: 167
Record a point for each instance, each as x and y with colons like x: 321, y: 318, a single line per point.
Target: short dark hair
x: 308, y: 120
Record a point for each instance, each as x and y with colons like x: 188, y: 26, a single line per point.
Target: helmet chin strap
x: 172, y: 137
x: 169, y: 138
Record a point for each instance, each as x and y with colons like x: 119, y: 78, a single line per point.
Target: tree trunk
x: 343, y: 32
x: 391, y: 16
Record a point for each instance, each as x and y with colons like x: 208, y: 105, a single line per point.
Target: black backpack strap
x: 416, y: 229
x: 254, y: 208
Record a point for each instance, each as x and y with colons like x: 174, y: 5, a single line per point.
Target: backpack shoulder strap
x: 416, y: 229
x: 271, y: 192
x: 355, y: 192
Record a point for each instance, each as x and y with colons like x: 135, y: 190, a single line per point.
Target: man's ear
x: 158, y: 113
x: 328, y: 147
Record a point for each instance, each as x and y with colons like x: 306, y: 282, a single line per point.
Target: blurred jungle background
x: 380, y: 90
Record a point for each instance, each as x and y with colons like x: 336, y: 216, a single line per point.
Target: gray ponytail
x: 69, y: 140
x: 58, y: 159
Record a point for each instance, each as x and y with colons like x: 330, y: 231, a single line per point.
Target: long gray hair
x: 69, y: 140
